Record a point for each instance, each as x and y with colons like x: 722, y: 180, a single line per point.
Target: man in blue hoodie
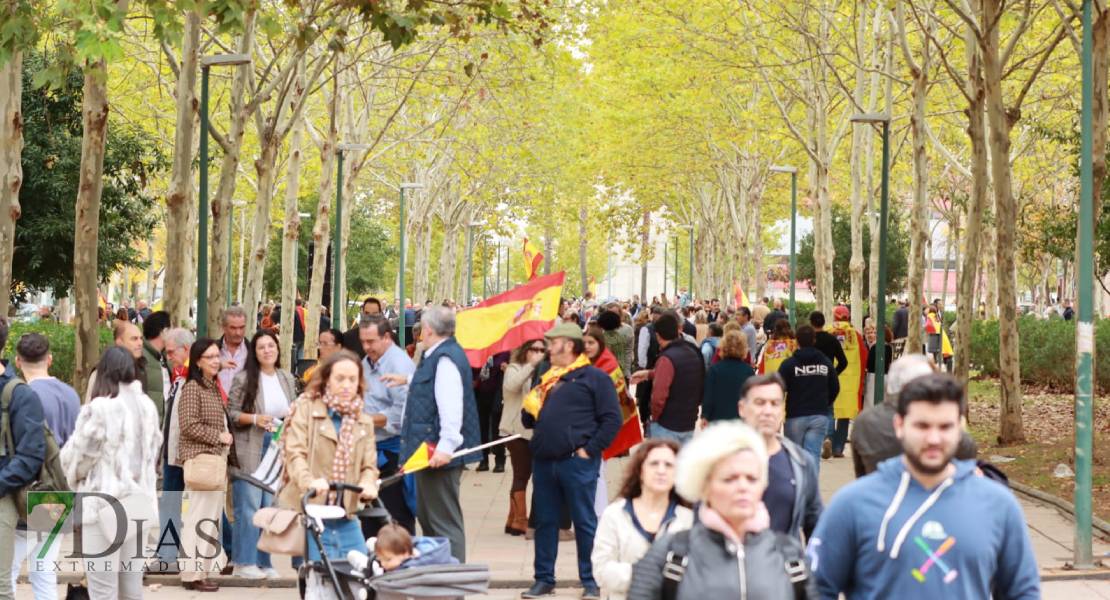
x: 924, y: 525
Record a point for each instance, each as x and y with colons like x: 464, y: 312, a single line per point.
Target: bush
x: 61, y: 344
x: 1047, y: 349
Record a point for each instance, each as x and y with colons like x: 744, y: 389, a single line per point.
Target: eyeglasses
x: 210, y: 356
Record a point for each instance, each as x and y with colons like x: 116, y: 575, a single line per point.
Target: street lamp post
x: 297, y: 259
x: 664, y: 271
x: 1084, y: 338
x: 793, y: 228
x: 691, y: 287
x: 880, y: 295
x: 206, y: 63
x: 230, y: 234
x: 401, y: 263
x: 338, y: 295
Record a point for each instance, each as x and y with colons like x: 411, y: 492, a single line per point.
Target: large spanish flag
x: 850, y: 399
x: 533, y: 258
x: 741, y: 297
x: 507, y: 320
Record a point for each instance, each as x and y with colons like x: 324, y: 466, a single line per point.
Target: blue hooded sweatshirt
x: 885, y: 536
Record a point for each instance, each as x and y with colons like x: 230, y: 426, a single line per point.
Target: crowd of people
x: 738, y: 407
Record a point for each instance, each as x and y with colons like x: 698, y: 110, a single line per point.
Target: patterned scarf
x: 350, y: 410
x: 533, y: 402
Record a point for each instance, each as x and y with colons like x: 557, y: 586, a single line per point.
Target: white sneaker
x: 271, y: 573
x: 249, y: 572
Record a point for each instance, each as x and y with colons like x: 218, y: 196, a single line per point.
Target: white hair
x: 717, y: 442
x: 179, y: 336
x: 440, y: 320
x: 904, y: 370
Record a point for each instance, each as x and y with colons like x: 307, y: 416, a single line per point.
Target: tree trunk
x: 823, y: 260
x: 1011, y: 429
x: 265, y: 167
x: 11, y: 167
x: 94, y: 121
x: 918, y: 212
x: 321, y: 231
x: 148, y: 287
x: 290, y: 247
x: 976, y: 204
x: 180, y: 212
x: 645, y: 248
x: 221, y: 205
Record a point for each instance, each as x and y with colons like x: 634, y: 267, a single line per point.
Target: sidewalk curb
x: 1102, y: 526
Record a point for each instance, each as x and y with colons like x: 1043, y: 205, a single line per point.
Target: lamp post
x: 880, y: 310
x: 677, y: 295
x: 297, y: 259
x: 1084, y: 338
x: 691, y: 286
x: 401, y: 263
x: 793, y: 227
x: 338, y: 295
x: 206, y: 63
x: 664, y: 270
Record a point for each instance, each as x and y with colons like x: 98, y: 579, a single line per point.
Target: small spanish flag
x: 100, y: 301
x: 505, y: 321
x: 533, y: 258
x: 741, y: 297
x: 419, y: 459
x: 593, y: 286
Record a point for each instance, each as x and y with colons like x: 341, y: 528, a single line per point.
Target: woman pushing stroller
x: 329, y: 438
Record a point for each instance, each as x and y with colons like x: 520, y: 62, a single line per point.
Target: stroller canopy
x: 440, y: 581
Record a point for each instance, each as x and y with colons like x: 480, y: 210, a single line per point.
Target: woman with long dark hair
x: 114, y: 450
x: 258, y: 401
x: 514, y: 386
x: 647, y: 508
x: 202, y: 419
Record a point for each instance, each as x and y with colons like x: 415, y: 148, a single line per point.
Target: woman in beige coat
x: 515, y: 385
x: 647, y: 508
x: 329, y: 438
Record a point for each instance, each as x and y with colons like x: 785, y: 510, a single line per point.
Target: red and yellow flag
x: 592, y: 286
x: 507, y: 320
x: 419, y: 459
x: 741, y: 297
x: 533, y: 258
x: 630, y: 433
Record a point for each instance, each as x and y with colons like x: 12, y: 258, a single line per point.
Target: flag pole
x: 392, y: 479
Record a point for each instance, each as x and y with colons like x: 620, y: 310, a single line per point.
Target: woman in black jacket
x: 723, y: 381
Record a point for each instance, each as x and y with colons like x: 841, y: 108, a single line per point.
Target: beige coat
x: 618, y: 546
x: 516, y: 384
x: 310, y: 427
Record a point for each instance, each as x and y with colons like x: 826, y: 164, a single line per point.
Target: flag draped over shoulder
x: 775, y: 352
x: 533, y: 258
x: 507, y: 320
x: 850, y: 399
x: 741, y: 297
x: 630, y: 432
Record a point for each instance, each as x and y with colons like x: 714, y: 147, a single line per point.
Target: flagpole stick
x: 392, y: 479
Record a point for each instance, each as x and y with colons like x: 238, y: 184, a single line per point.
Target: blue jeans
x: 838, y: 433
x: 809, y: 433
x: 340, y: 536
x: 169, y: 511
x: 572, y: 481
x: 247, y: 499
x: 655, y: 430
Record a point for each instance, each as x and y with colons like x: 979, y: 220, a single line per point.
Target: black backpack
x: 679, y: 547
x: 51, y: 476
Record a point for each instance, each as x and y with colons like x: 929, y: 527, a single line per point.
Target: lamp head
x: 874, y: 118
x: 783, y: 169
x: 216, y: 60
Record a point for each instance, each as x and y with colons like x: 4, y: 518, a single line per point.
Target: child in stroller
x: 395, y: 549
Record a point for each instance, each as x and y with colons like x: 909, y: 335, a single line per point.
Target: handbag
x: 206, y: 473
x: 282, y: 531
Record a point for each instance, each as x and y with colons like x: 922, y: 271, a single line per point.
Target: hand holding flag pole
x: 421, y: 459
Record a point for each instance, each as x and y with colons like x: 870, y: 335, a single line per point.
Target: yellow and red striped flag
x: 507, y: 320
x: 419, y: 459
x: 533, y: 258
x: 741, y: 297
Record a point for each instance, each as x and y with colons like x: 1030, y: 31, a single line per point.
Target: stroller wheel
x: 302, y: 584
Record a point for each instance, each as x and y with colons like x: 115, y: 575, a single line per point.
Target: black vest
x: 680, y: 413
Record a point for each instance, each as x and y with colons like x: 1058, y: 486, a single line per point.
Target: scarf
x: 533, y: 402
x: 350, y: 411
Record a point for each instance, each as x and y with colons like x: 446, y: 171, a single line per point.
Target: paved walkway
x: 485, y: 505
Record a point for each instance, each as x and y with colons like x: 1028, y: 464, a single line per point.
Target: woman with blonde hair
x: 730, y: 547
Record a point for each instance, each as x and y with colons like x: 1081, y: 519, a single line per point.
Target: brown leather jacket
x: 310, y: 427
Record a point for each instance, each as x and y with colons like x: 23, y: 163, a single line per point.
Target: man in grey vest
x: 441, y: 411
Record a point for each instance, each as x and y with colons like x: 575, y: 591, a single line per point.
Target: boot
x: 511, y: 517
x: 519, y: 512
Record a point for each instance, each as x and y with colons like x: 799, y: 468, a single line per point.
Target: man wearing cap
x: 575, y: 415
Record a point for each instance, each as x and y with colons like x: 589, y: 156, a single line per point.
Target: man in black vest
x: 677, y: 381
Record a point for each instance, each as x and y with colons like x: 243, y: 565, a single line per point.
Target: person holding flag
x: 575, y: 415
x: 850, y: 399
x: 533, y: 258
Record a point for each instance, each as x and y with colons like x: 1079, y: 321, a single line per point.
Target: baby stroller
x: 340, y: 578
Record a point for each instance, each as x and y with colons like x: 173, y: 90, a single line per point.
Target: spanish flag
x: 100, y: 301
x: 741, y: 297
x: 593, y: 286
x: 419, y: 459
x: 533, y: 258
x: 507, y: 320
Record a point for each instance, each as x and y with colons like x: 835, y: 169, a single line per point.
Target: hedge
x: 1047, y: 352
x: 61, y: 344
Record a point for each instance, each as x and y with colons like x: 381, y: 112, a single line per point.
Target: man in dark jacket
x: 900, y: 324
x: 155, y: 376
x: 370, y: 307
x: 827, y: 342
x: 811, y: 389
x: 676, y: 383
x: 773, y: 316
x: 575, y: 415
x: 873, y: 437
x: 792, y: 498
x: 19, y: 466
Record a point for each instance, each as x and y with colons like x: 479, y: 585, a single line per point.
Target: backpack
x: 679, y: 547
x: 51, y: 476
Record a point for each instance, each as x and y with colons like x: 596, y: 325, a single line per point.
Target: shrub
x: 1047, y: 349
x: 61, y: 344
